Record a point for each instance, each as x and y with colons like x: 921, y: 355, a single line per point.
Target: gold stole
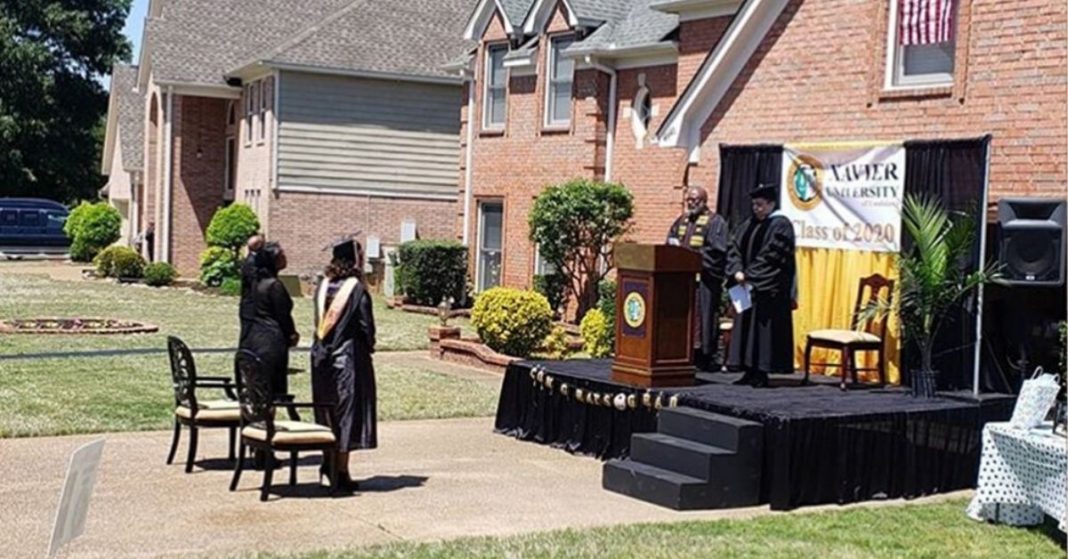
x: 329, y: 318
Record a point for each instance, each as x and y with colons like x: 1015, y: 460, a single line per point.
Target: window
x: 490, y: 240
x: 29, y: 218
x: 266, y: 91
x: 541, y: 266
x: 558, y: 89
x: 641, y: 114
x: 9, y: 218
x: 231, y: 167
x: 495, y: 101
x: 231, y: 114
x: 921, y: 43
x: 251, y: 102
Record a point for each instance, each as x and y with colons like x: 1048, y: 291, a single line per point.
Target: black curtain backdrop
x: 952, y: 170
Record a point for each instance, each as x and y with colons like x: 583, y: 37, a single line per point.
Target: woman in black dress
x: 270, y: 329
x: 342, y: 370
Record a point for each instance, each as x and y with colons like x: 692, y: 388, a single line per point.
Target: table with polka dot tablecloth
x: 1023, y: 475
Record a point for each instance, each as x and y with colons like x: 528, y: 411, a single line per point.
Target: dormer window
x: 561, y: 71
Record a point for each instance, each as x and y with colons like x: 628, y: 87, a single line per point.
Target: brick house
x: 642, y: 92
x: 326, y: 117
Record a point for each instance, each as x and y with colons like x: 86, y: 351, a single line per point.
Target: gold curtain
x: 827, y: 281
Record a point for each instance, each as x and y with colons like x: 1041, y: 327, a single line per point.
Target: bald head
x: 255, y: 243
x: 696, y: 200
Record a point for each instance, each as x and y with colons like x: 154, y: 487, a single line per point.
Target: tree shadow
x: 385, y: 484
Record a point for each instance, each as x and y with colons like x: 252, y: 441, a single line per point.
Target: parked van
x: 32, y: 226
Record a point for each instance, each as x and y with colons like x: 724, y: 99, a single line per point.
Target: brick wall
x: 304, y: 223
x: 1011, y: 70
x: 197, y: 189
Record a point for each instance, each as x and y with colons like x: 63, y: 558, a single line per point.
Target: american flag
x: 925, y: 22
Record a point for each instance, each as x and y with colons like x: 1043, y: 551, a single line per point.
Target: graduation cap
x: 344, y: 247
x: 765, y: 191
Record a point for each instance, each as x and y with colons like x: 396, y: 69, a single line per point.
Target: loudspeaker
x: 1032, y: 247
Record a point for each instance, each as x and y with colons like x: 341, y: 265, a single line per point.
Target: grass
x: 203, y: 321
x: 932, y: 531
x: 46, y: 397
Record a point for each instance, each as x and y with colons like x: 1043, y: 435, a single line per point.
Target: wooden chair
x: 197, y: 413
x: 260, y: 430
x: 861, y: 338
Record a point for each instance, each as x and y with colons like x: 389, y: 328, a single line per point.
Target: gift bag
x: 1037, y: 395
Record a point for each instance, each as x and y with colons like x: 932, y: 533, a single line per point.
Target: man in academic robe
x: 761, y: 258
x: 703, y: 231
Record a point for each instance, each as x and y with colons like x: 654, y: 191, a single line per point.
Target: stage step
x: 695, y: 460
x: 655, y: 485
x: 710, y: 428
x: 691, y: 458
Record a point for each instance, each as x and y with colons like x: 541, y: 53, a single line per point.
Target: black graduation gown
x: 343, y: 372
x: 710, y: 239
x: 762, y: 338
x: 246, y: 308
x: 269, y: 330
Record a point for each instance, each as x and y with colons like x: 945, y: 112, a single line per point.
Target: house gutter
x: 168, y: 183
x: 612, y: 109
x: 469, y: 160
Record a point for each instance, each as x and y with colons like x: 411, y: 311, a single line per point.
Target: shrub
x: 218, y: 264
x: 230, y: 287
x: 159, y: 274
x: 430, y: 271
x: 556, y: 343
x: 512, y: 321
x: 119, y: 262
x: 553, y: 287
x: 91, y: 228
x: 606, y: 303
x: 231, y: 227
x: 596, y: 336
x: 574, y: 225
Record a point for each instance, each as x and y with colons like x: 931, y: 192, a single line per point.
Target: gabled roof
x: 390, y: 38
x: 126, y: 114
x: 640, y: 27
x: 198, y: 41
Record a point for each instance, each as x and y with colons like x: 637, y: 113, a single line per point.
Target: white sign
x: 844, y: 196
x: 77, y: 489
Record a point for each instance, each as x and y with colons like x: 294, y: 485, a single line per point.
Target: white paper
x: 77, y: 489
x: 740, y: 297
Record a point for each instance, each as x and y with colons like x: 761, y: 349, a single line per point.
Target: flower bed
x: 75, y: 326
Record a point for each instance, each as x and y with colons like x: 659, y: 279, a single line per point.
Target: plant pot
x: 924, y: 384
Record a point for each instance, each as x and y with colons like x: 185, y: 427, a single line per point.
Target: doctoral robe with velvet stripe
x: 343, y: 371
x: 705, y: 233
x: 762, y: 338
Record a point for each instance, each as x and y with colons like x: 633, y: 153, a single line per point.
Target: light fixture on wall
x: 200, y: 153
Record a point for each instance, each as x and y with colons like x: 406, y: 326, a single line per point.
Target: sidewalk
x: 430, y: 480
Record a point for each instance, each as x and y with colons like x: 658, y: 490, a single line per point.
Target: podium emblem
x: 634, y: 309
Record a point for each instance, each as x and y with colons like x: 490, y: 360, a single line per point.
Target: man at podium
x: 703, y: 231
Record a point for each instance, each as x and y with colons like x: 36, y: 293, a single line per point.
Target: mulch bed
x: 75, y: 326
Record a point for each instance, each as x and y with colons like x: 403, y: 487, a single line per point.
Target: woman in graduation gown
x: 342, y: 369
x: 761, y: 255
x: 269, y: 331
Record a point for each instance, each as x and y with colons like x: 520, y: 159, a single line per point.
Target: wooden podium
x: 656, y: 288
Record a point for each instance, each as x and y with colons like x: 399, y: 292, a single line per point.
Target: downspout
x: 168, y: 183
x: 469, y: 158
x: 612, y: 102
x: 275, y: 126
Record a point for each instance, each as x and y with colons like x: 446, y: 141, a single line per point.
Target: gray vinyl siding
x: 368, y: 136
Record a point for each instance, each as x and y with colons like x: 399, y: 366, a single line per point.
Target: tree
x: 574, y: 225
x: 51, y: 105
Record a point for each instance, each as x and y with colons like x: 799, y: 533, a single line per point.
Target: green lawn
x: 203, y: 321
x: 933, y: 531
x: 129, y: 393
x: 58, y: 396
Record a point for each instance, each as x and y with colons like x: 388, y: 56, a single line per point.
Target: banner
x: 844, y: 196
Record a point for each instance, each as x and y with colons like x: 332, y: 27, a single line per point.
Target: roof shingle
x: 131, y: 108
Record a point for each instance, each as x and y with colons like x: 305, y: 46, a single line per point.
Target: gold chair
x: 863, y: 337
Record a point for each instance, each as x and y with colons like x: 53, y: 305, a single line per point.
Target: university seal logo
x: 805, y: 182
x: 634, y: 309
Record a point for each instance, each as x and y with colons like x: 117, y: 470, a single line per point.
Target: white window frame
x: 639, y: 126
x: 895, y: 78
x: 264, y: 105
x: 550, y: 61
x: 479, y: 262
x: 487, y: 105
x: 250, y: 105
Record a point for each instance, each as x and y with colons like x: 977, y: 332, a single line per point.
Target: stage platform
x: 820, y: 444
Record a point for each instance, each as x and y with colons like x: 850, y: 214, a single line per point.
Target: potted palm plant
x: 933, y: 279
